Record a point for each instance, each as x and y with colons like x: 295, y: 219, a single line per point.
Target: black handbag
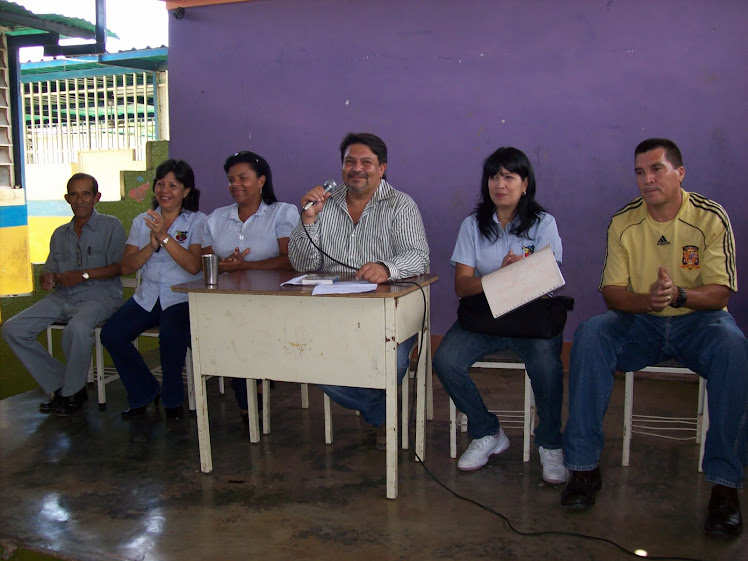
x: 540, y: 319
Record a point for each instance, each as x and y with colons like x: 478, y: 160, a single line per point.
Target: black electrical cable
x: 498, y: 514
x: 311, y: 241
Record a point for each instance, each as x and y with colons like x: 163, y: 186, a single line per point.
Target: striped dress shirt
x: 390, y: 231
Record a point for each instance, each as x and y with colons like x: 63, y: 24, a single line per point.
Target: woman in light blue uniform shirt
x: 253, y: 232
x: 164, y: 245
x: 507, y: 225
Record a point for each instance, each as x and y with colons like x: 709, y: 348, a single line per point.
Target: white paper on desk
x: 521, y: 282
x: 344, y: 287
x: 294, y: 281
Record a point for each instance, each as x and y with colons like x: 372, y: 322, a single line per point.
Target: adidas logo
x: 662, y: 241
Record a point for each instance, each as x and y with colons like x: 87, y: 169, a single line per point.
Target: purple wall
x: 575, y: 84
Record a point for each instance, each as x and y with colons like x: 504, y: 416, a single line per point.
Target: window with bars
x: 64, y: 117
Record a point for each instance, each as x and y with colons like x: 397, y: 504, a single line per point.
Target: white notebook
x: 526, y: 280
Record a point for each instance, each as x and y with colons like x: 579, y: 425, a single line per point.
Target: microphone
x: 329, y: 185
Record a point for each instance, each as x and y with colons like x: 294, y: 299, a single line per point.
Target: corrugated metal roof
x: 149, y: 60
x: 17, y: 20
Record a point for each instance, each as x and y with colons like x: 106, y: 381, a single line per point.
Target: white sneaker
x: 554, y: 470
x: 481, y: 449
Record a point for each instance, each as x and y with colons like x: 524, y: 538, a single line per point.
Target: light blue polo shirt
x: 475, y: 251
x: 161, y: 272
x: 224, y: 231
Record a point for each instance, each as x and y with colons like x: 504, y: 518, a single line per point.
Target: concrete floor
x: 96, y: 487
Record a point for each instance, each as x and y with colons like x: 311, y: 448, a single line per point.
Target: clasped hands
x: 233, y: 262
x: 510, y: 258
x: 663, y: 291
x: 156, y: 223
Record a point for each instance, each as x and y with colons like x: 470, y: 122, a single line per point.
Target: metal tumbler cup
x: 210, y: 268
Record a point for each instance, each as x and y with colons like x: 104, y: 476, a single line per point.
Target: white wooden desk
x: 250, y: 327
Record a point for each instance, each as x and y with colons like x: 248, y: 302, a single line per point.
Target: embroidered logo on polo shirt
x: 690, y: 259
x: 181, y: 235
x: 663, y: 241
x: 528, y: 250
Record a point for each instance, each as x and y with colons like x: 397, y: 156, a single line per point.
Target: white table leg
x: 390, y: 373
x: 429, y: 375
x: 254, y: 417
x: 421, y: 405
x: 265, y: 406
x: 391, y: 423
x: 328, y: 418
x: 201, y: 401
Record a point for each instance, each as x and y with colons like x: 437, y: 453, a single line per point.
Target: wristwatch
x: 85, y: 275
x: 680, y: 301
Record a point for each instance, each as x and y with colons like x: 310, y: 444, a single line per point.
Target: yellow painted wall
x: 40, y: 232
x: 15, y: 268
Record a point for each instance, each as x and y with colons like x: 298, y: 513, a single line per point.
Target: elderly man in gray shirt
x: 83, y: 272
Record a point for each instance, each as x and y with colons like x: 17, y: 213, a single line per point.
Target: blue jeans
x: 460, y: 349
x: 708, y: 343
x: 368, y: 401
x: 174, y: 337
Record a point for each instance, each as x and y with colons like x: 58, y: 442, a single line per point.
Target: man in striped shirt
x: 366, y: 226
x: 669, y: 272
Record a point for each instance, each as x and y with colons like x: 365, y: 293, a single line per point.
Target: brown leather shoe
x: 580, y: 491
x: 724, y: 519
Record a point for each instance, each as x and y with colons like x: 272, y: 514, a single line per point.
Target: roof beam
x: 135, y: 64
x: 45, y: 25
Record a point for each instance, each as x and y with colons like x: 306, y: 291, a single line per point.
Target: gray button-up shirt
x: 102, y: 243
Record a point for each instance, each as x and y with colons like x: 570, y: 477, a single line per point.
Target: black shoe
x: 580, y: 491
x: 174, y: 412
x: 72, y: 403
x: 49, y: 406
x: 131, y: 412
x: 724, y: 519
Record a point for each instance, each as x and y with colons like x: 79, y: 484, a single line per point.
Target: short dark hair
x: 376, y: 144
x: 260, y: 166
x: 79, y: 177
x: 672, y: 152
x: 528, y: 209
x: 184, y: 174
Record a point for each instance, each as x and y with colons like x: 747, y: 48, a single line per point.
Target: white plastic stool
x: 674, y: 428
